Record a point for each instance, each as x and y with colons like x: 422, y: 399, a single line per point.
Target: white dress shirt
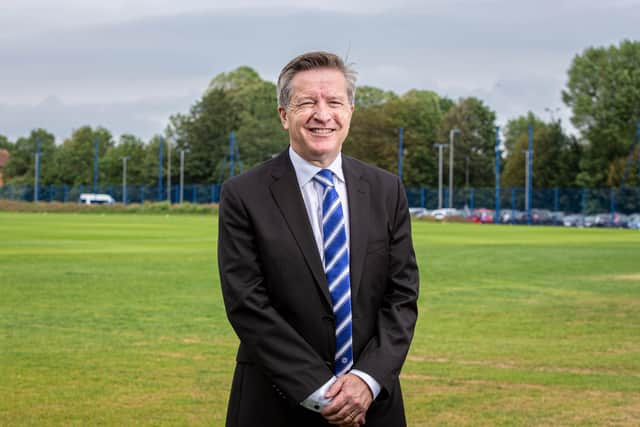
x: 312, y: 195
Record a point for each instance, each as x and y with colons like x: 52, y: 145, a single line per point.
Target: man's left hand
x: 351, y: 398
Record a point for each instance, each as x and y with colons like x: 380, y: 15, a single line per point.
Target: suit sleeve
x: 286, y: 358
x: 385, y: 353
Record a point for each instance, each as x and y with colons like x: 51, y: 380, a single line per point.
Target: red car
x: 482, y: 216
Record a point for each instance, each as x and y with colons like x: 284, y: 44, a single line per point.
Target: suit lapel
x: 286, y: 192
x: 358, y: 193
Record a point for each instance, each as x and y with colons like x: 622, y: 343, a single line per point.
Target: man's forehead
x: 326, y: 80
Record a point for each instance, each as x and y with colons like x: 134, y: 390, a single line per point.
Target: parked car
x: 572, y: 220
x: 96, y: 199
x: 443, y: 213
x: 541, y: 217
x: 634, y: 221
x: 418, y: 212
x: 482, y: 216
x: 512, y: 216
x: 589, y: 220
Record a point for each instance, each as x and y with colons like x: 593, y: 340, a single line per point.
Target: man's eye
x: 335, y: 103
x: 305, y: 103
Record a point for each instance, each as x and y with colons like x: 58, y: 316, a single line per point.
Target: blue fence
x: 585, y: 201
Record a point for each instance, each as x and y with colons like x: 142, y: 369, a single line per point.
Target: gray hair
x: 309, y: 61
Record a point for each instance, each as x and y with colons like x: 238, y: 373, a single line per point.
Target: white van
x: 96, y: 199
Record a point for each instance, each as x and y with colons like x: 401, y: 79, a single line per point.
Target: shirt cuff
x: 316, y: 400
x: 374, y: 386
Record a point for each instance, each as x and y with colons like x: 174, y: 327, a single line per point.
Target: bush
x: 146, y: 208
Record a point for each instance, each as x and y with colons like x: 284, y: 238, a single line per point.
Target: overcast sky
x: 129, y: 65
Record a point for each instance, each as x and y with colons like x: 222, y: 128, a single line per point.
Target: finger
x: 334, y: 388
x: 335, y: 406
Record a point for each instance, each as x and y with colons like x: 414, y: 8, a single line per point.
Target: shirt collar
x: 305, y: 171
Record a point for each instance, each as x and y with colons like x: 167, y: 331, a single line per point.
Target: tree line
x: 602, y: 91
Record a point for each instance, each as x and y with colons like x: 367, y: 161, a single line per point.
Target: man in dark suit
x: 317, y: 267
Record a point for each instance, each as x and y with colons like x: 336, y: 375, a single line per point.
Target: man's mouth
x: 321, y: 131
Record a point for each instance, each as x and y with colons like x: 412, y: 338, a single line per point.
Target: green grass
x: 118, y: 320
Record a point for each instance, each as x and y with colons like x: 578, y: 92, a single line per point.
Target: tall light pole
x: 452, y: 133
x: 124, y: 180
x: 526, y: 181
x: 466, y: 172
x: 36, y: 189
x: 181, y: 175
x: 169, y: 170
x: 440, y: 148
x: 95, y: 166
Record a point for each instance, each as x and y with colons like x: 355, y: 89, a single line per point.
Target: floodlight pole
x: 529, y: 173
x: 466, y: 172
x: 124, y: 180
x: 36, y: 191
x: 498, y: 154
x: 181, y: 175
x: 452, y: 133
x: 440, y: 148
x: 526, y: 182
x: 169, y: 170
x: 95, y: 165
x: 160, y: 147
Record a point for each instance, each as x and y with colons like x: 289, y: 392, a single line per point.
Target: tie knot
x: 325, y: 178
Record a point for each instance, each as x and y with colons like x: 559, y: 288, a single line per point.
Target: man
x: 317, y: 267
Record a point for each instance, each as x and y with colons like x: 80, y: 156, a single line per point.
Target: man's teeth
x: 318, y: 130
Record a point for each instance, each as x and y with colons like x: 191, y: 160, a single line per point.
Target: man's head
x: 315, y: 101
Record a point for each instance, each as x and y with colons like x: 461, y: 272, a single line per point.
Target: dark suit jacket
x: 277, y: 299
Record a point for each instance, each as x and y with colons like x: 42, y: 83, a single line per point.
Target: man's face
x: 318, y: 115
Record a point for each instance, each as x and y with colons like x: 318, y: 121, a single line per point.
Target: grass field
x: 118, y: 320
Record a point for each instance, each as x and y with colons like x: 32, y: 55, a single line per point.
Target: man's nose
x: 322, y: 113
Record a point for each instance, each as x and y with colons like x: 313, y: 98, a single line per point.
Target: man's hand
x: 351, y: 398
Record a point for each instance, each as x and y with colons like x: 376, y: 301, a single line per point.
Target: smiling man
x: 317, y: 267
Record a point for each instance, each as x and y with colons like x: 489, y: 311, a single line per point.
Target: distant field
x: 118, y: 320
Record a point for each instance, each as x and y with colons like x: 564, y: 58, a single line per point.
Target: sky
x: 129, y: 65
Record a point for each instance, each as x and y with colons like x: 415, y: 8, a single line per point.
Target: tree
x: 555, y: 159
x: 74, y: 159
x: 603, y: 91
x: 21, y: 165
x: 111, y: 163
x: 5, y: 143
x: 475, y: 142
x: 369, y: 96
x: 204, y: 134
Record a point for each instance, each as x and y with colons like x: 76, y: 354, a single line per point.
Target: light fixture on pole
x: 452, y: 133
x: 440, y: 147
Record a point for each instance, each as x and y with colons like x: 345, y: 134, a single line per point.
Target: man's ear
x: 282, y: 113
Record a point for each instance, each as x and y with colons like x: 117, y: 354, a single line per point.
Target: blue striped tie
x: 336, y: 268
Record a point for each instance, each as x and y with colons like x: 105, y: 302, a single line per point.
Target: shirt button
x: 344, y: 360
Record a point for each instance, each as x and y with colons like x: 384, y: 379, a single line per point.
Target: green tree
x: 369, y: 96
x: 74, y: 159
x: 474, y: 144
x: 111, y: 164
x: 21, y: 166
x: 555, y: 160
x: 204, y: 135
x: 603, y: 91
x: 5, y: 143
